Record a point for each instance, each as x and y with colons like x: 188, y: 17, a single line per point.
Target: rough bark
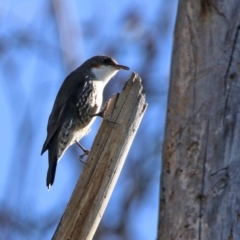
x: 200, y: 182
x: 123, y: 115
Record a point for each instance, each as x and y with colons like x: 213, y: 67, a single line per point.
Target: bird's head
x: 104, y: 67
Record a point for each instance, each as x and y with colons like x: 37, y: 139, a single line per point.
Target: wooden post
x: 200, y: 196
x: 123, y: 115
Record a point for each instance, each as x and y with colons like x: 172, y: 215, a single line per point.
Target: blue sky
x: 40, y: 43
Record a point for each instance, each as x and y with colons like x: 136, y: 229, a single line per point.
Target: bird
x: 78, y: 101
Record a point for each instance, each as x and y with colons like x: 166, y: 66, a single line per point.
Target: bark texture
x: 200, y: 182
x: 124, y: 113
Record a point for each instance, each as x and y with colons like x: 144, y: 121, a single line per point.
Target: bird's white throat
x: 104, y: 73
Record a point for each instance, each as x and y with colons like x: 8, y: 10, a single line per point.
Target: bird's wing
x: 72, y: 84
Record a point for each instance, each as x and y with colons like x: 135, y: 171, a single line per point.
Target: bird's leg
x: 101, y: 114
x: 86, y: 152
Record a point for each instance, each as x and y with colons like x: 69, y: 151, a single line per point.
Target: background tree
x: 40, y: 43
x: 200, y: 197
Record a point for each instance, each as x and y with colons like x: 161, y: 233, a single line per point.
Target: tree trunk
x: 200, y: 182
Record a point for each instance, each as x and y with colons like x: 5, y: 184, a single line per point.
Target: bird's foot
x: 86, y: 152
x: 101, y: 114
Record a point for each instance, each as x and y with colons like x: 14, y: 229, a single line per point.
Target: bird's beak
x: 121, y: 67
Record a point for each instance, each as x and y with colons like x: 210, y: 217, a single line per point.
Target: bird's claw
x: 101, y: 114
x: 86, y: 152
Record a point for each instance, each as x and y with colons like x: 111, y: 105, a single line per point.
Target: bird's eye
x: 106, y: 60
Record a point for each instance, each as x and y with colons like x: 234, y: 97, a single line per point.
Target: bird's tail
x: 52, y: 165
